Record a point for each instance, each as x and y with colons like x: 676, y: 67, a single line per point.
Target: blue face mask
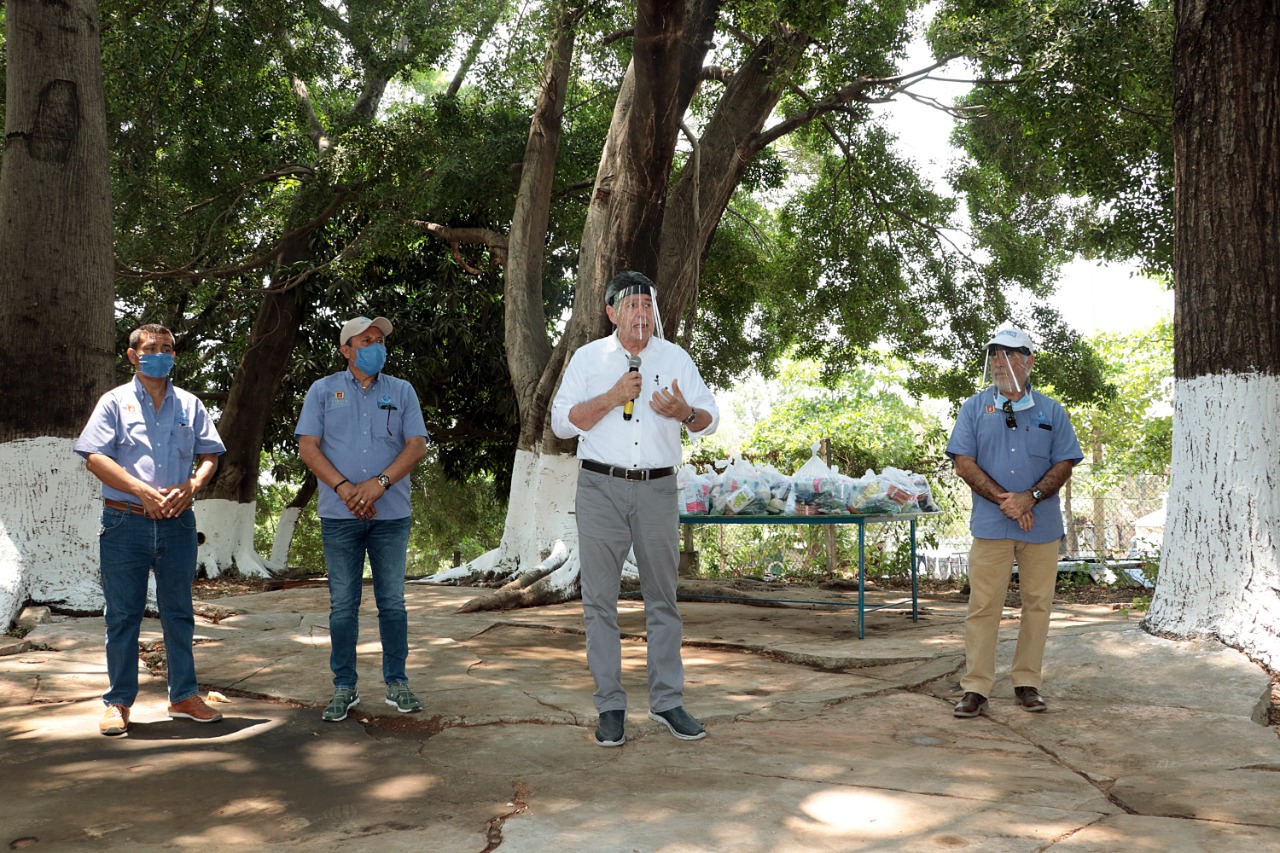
x: 371, y: 359
x: 155, y: 364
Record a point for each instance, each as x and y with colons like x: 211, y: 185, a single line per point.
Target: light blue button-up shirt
x: 157, y: 447
x: 361, y: 433
x: 1016, y: 459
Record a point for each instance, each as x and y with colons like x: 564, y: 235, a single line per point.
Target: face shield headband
x: 1006, y: 369
x: 621, y: 309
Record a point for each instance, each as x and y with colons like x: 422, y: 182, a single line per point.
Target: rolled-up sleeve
x: 699, y: 396
x: 572, y: 391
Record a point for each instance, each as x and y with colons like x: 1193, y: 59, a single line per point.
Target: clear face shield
x: 1007, y: 369
x: 635, y: 312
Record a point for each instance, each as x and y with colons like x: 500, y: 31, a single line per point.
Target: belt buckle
x: 635, y: 474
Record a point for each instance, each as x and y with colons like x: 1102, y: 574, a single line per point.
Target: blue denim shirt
x: 1016, y: 459
x: 361, y: 433
x: 157, y: 447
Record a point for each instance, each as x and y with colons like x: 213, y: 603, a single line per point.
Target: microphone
x: 633, y: 364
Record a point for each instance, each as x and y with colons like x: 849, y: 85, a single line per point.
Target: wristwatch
x: 383, y: 480
x: 693, y: 416
x: 1037, y: 495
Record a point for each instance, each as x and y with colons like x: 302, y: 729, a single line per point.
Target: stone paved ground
x: 818, y: 741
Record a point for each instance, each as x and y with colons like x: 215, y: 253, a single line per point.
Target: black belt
x: 627, y: 473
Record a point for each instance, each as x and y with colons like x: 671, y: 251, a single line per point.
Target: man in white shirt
x: 626, y: 397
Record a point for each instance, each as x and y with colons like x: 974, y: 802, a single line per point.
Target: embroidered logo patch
x: 338, y: 395
x: 991, y: 409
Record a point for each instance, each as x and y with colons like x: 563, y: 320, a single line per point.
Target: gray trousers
x: 615, y: 515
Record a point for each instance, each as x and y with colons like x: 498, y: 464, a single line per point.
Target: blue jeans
x: 346, y: 541
x: 131, y: 547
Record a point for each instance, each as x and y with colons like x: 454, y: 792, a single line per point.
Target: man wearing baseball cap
x: 1015, y: 448
x: 361, y: 432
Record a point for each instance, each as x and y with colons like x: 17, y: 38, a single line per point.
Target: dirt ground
x: 208, y: 589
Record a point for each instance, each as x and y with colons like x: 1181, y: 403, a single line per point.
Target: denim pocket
x: 111, y: 519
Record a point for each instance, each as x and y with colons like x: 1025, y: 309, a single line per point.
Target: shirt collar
x: 142, y: 391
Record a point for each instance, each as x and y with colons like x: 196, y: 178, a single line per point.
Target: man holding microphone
x: 626, y: 397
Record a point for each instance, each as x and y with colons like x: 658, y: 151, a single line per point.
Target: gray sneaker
x: 680, y: 722
x: 344, y: 699
x: 400, y: 697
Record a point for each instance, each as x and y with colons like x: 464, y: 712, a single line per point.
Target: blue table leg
x: 915, y: 589
x: 862, y: 576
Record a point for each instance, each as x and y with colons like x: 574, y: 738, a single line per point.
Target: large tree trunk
x: 56, y: 328
x: 228, y: 512
x: 1221, y: 560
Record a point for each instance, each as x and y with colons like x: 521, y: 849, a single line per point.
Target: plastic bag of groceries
x: 742, y: 490
x: 695, y: 490
x: 868, y: 495
x: 902, y: 488
x: 817, y: 489
x: 779, y: 486
x: 924, y: 494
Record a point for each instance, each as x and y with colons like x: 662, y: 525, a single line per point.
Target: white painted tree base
x: 49, y: 523
x: 540, y: 522
x: 540, y: 519
x: 228, y: 539
x: 285, y: 528
x: 1220, y: 567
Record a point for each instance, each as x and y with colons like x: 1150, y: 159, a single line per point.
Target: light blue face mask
x: 371, y: 359
x: 155, y: 365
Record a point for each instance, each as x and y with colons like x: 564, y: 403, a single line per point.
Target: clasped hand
x: 1018, y: 506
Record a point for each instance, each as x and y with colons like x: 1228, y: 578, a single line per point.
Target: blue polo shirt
x: 361, y: 433
x: 1015, y: 458
x: 157, y: 447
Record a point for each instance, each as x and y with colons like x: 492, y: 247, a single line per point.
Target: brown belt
x: 627, y: 473
x: 124, y: 506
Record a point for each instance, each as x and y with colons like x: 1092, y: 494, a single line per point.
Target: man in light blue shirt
x: 361, y: 432
x: 626, y: 398
x: 142, y: 442
x: 1015, y: 448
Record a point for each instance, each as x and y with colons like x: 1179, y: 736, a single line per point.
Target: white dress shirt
x: 648, y: 440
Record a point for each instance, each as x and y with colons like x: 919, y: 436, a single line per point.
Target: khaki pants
x: 990, y: 569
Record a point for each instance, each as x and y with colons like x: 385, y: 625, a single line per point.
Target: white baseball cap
x: 355, y: 326
x: 1013, y: 338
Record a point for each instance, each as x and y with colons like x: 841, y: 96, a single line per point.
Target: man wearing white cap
x: 361, y: 432
x: 1016, y: 449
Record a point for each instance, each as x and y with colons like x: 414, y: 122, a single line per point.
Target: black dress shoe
x: 1029, y: 699
x: 611, y: 729
x: 970, y: 705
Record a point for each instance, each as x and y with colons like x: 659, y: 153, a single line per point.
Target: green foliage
x: 449, y: 517
x: 865, y: 414
x: 1136, y: 424
x: 1070, y: 138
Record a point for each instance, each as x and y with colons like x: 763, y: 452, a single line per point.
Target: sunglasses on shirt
x: 1009, y: 420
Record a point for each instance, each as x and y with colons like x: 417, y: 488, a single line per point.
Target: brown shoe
x: 1029, y: 699
x: 970, y: 705
x: 115, y: 721
x: 194, y: 709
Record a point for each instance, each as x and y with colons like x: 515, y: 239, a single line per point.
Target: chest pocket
x: 1039, y: 442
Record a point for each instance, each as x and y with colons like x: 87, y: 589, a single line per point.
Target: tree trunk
x: 1220, y: 569
x: 230, y: 508
x: 56, y: 293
